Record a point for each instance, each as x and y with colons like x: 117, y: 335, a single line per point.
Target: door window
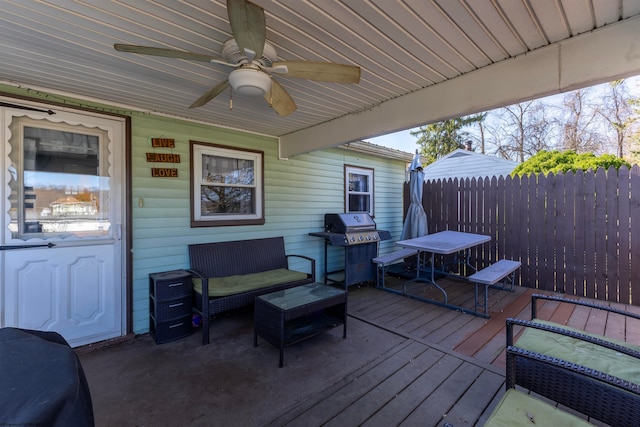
x: 59, y: 183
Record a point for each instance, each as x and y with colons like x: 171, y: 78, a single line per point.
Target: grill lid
x: 348, y: 222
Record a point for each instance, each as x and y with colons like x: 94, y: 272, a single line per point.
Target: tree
x: 565, y: 161
x: 618, y: 112
x: 581, y: 132
x: 439, y: 139
x: 521, y: 130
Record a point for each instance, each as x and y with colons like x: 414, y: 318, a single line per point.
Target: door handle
x: 12, y: 247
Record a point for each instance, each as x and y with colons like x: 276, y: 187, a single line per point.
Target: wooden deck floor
x: 451, y: 369
x: 405, y: 362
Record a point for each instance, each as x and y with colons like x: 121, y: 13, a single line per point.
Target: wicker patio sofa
x: 594, y: 394
x: 230, y: 275
x: 572, y: 344
x: 616, y: 403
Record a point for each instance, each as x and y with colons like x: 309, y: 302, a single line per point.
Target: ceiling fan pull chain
x: 230, y: 98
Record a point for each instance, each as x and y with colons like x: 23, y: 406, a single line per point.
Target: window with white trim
x: 227, y: 186
x: 358, y: 189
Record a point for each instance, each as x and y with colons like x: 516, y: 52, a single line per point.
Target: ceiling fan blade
x: 210, y: 94
x: 247, y: 25
x: 168, y: 53
x: 280, y: 100
x: 321, y: 71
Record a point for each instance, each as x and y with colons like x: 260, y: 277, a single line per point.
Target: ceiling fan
x: 254, y: 61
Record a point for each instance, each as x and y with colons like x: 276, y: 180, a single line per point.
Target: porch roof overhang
x: 421, y: 61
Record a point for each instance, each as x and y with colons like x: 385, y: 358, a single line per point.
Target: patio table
x: 285, y: 317
x: 445, y: 243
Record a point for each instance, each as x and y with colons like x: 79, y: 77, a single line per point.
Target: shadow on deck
x: 404, y: 362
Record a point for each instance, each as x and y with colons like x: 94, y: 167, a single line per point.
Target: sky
x: 403, y: 140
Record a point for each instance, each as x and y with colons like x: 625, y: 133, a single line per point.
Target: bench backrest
x: 608, y: 399
x: 222, y: 259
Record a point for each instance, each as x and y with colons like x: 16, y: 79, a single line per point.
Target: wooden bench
x: 230, y: 275
x: 592, y: 393
x: 384, y: 261
x: 500, y: 271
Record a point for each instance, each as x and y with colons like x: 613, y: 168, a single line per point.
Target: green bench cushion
x: 516, y: 409
x: 582, y: 352
x: 231, y: 285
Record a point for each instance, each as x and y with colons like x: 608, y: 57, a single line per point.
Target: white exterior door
x: 62, y: 188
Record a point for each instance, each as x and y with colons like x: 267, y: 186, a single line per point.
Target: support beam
x: 607, y: 54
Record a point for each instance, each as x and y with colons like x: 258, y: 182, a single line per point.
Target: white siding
x: 467, y: 164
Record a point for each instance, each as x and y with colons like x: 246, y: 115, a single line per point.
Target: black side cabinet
x: 170, y: 305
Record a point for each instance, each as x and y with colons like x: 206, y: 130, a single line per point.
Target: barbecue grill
x: 357, y: 234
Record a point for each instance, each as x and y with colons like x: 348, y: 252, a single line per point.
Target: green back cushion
x: 230, y: 285
x: 517, y: 409
x: 581, y: 352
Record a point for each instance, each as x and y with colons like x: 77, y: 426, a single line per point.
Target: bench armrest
x: 568, y: 333
x: 312, y: 264
x: 536, y: 297
x: 205, y: 291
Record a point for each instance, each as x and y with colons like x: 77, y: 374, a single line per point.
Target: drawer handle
x: 173, y: 285
x: 178, y: 304
x: 177, y: 325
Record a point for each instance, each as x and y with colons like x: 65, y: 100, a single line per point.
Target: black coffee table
x: 285, y: 317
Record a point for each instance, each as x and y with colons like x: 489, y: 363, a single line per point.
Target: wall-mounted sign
x: 164, y: 172
x: 163, y: 142
x: 163, y: 157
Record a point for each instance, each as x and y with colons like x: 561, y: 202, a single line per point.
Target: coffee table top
x: 301, y: 295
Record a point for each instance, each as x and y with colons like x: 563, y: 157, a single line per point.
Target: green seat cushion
x: 517, y: 409
x: 581, y: 352
x: 230, y: 285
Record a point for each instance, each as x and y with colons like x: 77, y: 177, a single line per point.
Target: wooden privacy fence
x: 575, y: 233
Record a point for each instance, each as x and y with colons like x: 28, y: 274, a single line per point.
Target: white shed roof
x: 467, y: 164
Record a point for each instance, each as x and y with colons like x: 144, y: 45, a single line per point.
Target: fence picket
x: 624, y: 233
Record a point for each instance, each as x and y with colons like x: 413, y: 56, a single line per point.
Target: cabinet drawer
x: 173, y: 330
x: 170, y: 285
x: 171, y: 309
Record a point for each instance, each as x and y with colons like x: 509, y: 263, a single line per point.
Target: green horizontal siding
x: 298, y: 192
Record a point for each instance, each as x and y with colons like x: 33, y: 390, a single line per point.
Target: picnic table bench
x: 500, y: 271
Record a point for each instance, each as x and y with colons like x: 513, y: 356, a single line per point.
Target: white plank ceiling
x: 402, y: 46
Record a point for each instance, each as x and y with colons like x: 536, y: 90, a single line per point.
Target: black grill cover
x: 41, y: 381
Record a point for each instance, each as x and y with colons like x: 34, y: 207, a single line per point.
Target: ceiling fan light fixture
x: 249, y: 81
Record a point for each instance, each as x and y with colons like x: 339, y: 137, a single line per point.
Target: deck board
x: 476, y: 399
x: 422, y: 367
x: 439, y: 403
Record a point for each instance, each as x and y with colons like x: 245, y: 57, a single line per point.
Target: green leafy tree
x: 565, y: 161
x: 439, y: 139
